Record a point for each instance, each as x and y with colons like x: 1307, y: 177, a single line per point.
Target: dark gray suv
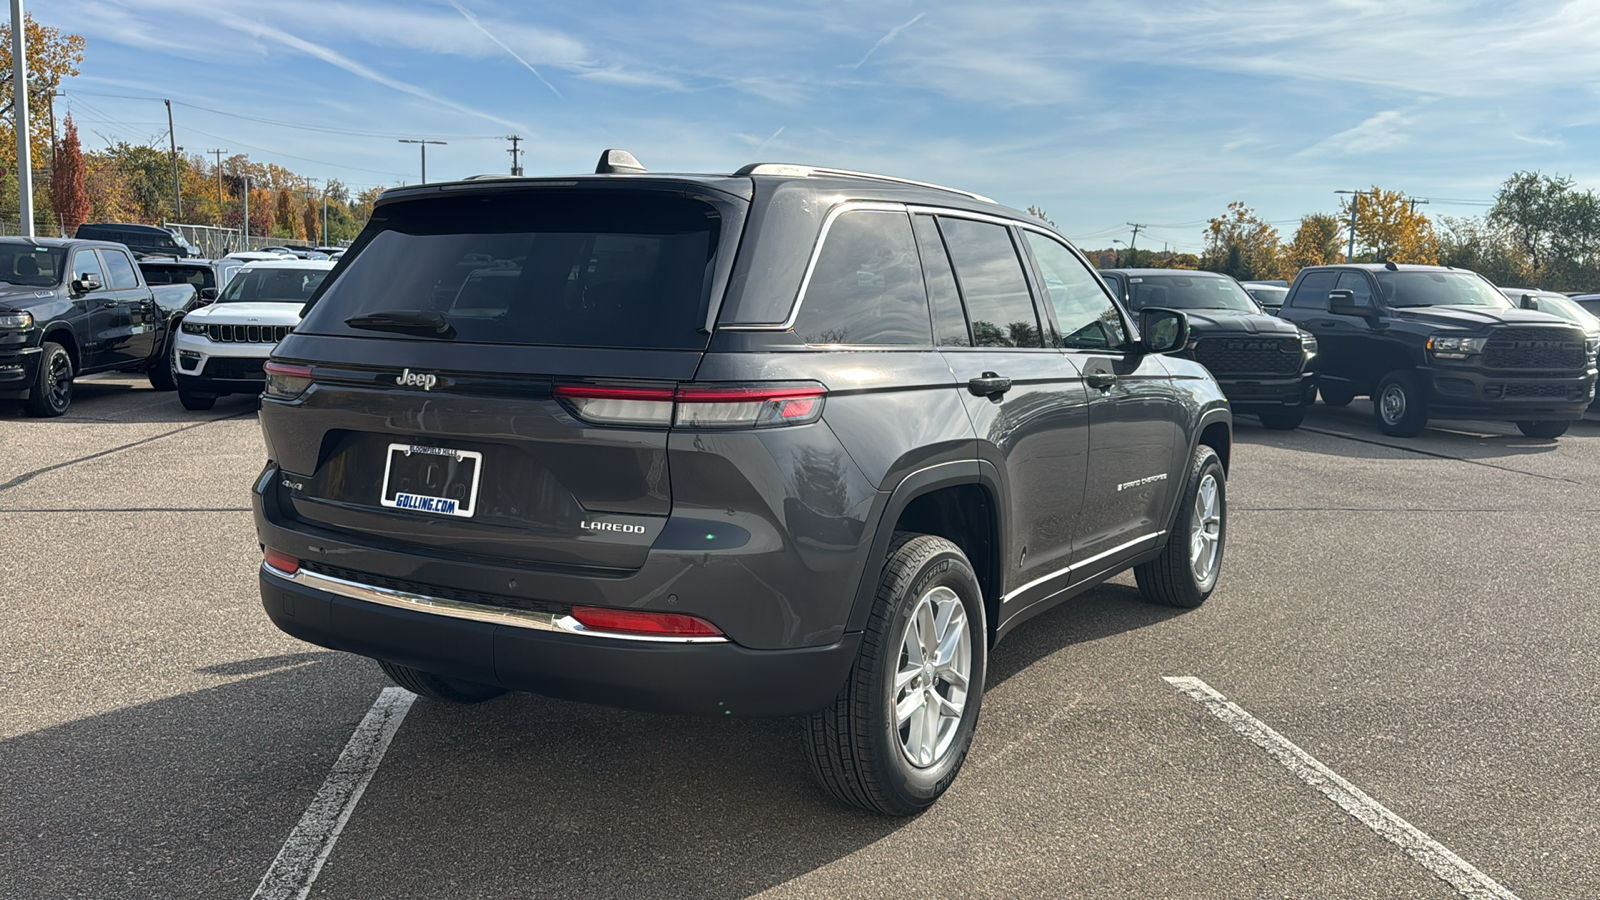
x: 786, y: 442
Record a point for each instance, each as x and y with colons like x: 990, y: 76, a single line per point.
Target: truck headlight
x: 1308, y: 344
x: 1455, y: 347
x: 16, y: 320
x: 194, y: 328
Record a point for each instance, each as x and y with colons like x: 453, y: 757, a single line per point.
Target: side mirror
x: 208, y: 294
x: 1163, y: 330
x: 85, y: 285
x: 1343, y: 303
x: 1529, y: 301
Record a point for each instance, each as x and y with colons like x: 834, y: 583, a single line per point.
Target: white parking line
x: 1434, y: 856
x: 308, y: 846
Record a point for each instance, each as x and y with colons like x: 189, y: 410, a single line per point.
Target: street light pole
x: 422, y: 143
x: 19, y: 105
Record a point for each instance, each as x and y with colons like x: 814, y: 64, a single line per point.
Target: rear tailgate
x: 450, y: 441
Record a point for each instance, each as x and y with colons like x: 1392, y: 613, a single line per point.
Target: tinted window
x: 199, y: 276
x: 119, y: 268
x: 1189, y: 291
x: 866, y: 287
x: 584, y: 269
x: 949, y: 319
x: 31, y: 265
x: 992, y: 284
x: 1313, y: 290
x: 86, y: 266
x: 1439, y: 289
x: 1268, y: 295
x: 1087, y: 317
x: 1357, y: 284
x: 274, y: 284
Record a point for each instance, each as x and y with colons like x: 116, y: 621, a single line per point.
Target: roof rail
x: 795, y: 171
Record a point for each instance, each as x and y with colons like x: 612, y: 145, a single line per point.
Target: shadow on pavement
x: 1357, y: 436
x: 523, y: 795
x: 129, y: 399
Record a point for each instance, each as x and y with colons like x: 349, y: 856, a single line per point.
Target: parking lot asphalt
x: 1419, y: 615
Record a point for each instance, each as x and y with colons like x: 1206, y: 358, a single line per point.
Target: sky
x: 1101, y: 113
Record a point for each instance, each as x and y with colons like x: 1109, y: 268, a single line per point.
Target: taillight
x: 695, y: 406
x: 633, y: 621
x: 280, y: 560
x: 606, y: 405
x: 286, y: 382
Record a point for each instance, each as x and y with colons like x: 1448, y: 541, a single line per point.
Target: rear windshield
x: 274, y: 285
x: 1187, y: 292
x: 199, y: 276
x: 1439, y: 289
x: 573, y: 269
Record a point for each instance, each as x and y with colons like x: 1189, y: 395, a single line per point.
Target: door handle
x: 1325, y: 324
x: 1101, y: 380
x: 108, y: 304
x: 989, y: 385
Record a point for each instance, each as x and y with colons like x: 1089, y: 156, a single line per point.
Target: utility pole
x: 424, y: 145
x: 324, y: 214
x: 1414, y: 201
x: 219, y: 182
x: 1134, y: 244
x: 19, y: 105
x: 1355, y: 201
x: 516, y: 161
x: 172, y: 144
x: 245, y: 244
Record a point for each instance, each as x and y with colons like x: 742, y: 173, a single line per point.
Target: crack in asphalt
x: 29, y: 476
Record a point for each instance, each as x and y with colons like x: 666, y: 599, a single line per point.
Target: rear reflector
x: 633, y: 621
x: 281, y: 561
x: 696, y: 406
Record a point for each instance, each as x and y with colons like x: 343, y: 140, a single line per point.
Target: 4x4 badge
x: 408, y: 378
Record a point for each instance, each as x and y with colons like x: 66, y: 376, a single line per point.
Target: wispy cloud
x: 490, y: 35
x: 1383, y: 131
x: 893, y: 33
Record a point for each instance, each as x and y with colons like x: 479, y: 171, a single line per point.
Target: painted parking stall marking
x: 298, y: 863
x: 1434, y: 856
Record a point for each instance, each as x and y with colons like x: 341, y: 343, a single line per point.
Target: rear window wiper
x: 420, y: 322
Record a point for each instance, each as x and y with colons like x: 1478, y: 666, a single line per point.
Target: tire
x: 1186, y: 572
x: 1543, y: 429
x: 1332, y: 396
x: 195, y: 402
x: 860, y: 752
x: 1284, y: 419
x: 51, y: 391
x: 160, y: 373
x: 1399, y: 404
x: 439, y: 687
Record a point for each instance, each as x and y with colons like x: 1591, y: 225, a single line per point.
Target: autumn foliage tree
x: 68, y: 192
x: 1389, y: 228
x: 1240, y: 244
x: 1316, y: 243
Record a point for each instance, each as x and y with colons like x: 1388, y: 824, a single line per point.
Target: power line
x: 326, y: 129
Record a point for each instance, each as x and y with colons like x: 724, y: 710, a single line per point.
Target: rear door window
x: 944, y: 299
x: 119, y: 269
x: 866, y: 287
x: 575, y: 268
x: 992, y: 283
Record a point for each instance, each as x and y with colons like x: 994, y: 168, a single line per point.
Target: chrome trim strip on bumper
x: 455, y: 609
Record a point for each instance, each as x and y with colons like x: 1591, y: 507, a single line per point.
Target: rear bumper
x: 709, y: 678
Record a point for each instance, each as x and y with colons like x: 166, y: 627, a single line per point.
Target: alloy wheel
x: 930, y: 682
x: 1205, y: 530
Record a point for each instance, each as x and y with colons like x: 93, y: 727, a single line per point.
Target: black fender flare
x: 917, y: 484
x: 1211, y: 416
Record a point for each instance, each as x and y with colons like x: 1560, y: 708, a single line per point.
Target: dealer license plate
x: 435, y: 480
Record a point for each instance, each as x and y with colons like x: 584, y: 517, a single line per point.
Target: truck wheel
x: 1399, y: 405
x: 193, y: 401
x: 1185, y: 573
x: 1284, y: 419
x: 51, y: 391
x: 160, y: 373
x: 1332, y: 396
x: 895, y: 737
x: 1543, y: 429
x: 439, y: 687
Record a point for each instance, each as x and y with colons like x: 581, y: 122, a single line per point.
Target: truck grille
x: 1535, y: 348
x: 228, y: 367
x: 1249, y: 355
x: 248, y: 334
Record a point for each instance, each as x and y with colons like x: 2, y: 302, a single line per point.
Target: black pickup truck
x: 1435, y: 342
x: 70, y: 308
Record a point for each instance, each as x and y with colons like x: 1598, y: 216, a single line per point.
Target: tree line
x: 1542, y: 231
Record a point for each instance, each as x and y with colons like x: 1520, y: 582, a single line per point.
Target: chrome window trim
x: 1068, y: 570
x: 811, y: 263
x: 455, y: 609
